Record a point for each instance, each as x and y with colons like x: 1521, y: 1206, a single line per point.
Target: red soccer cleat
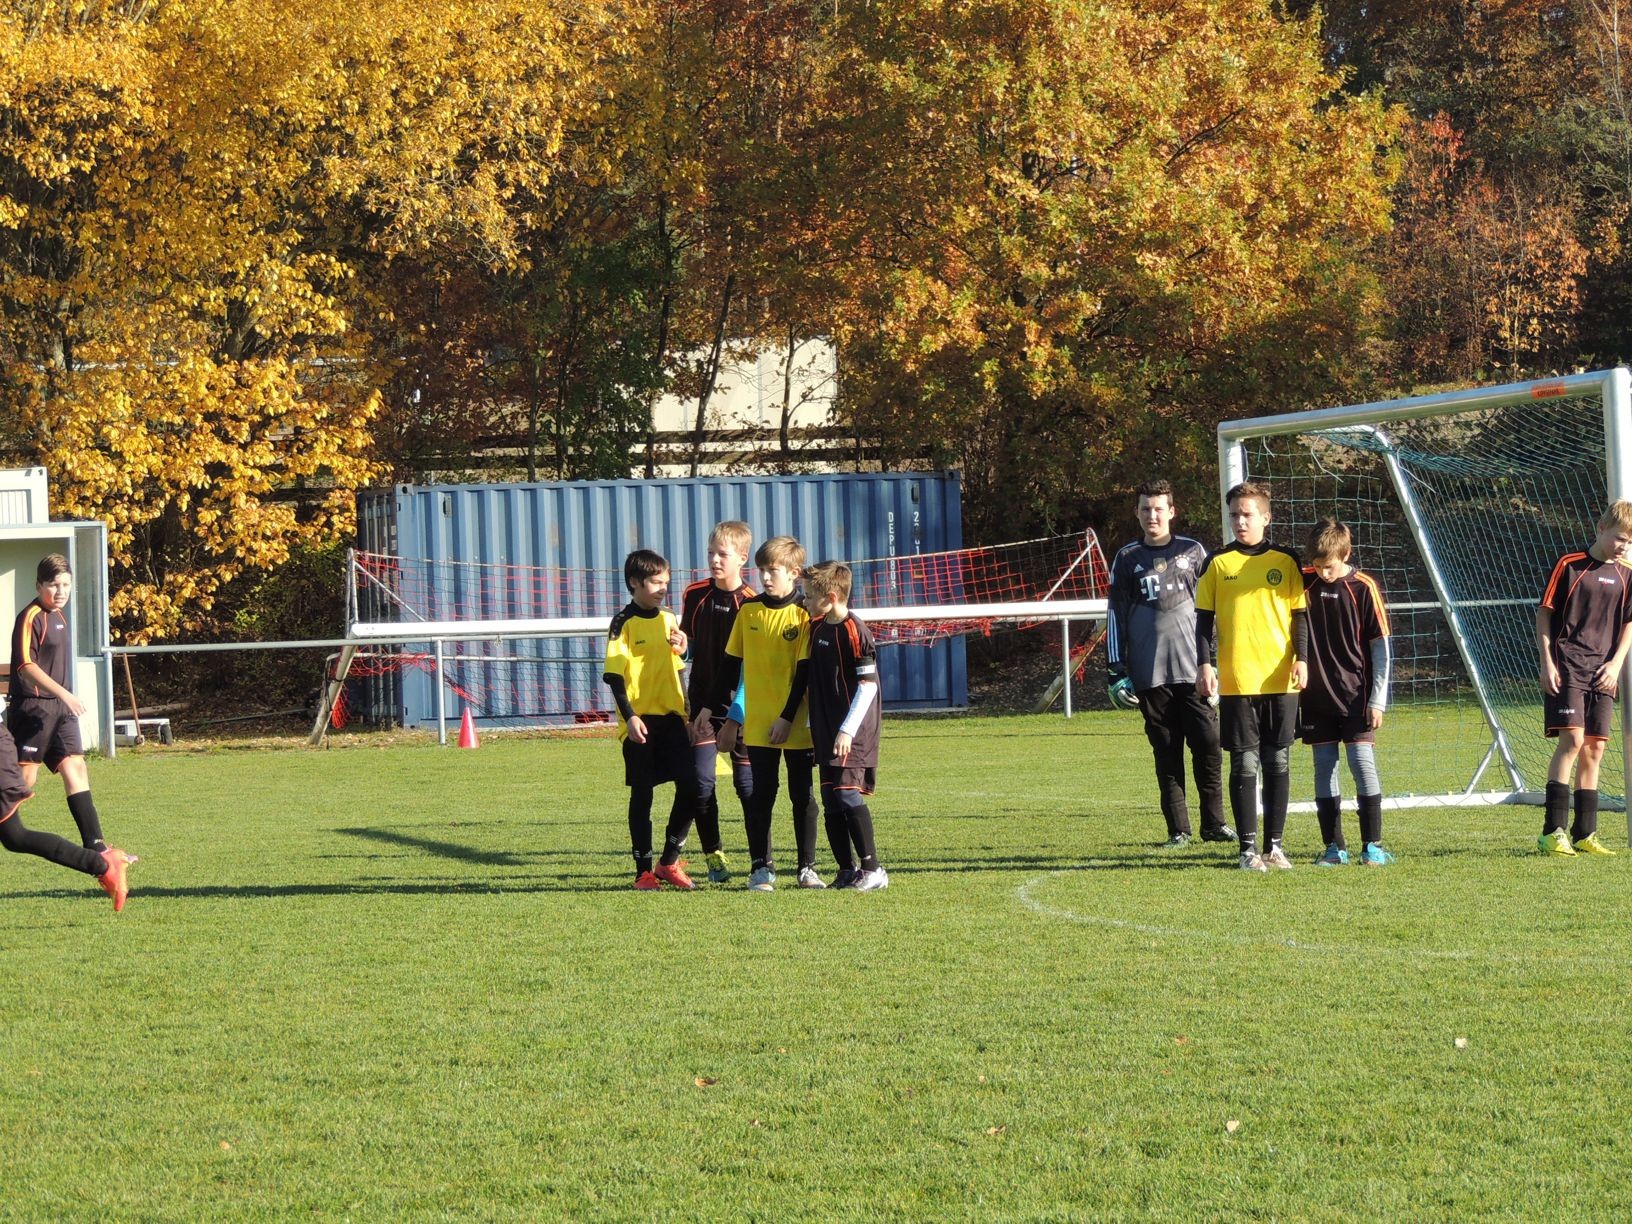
x: 647, y: 882
x: 673, y: 873
x: 113, y: 879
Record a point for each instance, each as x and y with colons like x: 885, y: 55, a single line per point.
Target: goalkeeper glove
x: 1120, y: 691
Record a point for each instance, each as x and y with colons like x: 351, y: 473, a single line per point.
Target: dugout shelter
x: 27, y: 534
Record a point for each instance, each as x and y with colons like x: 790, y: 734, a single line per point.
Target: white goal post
x: 1460, y: 503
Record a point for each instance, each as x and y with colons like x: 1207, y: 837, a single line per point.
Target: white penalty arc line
x: 1045, y: 910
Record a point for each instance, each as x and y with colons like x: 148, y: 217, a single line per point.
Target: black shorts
x: 1254, y: 724
x: 1587, y: 708
x: 1174, y: 714
x: 1324, y: 727
x: 841, y: 777
x: 666, y: 756
x: 46, y: 733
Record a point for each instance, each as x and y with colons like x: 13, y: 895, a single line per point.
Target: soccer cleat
x: 1277, y: 858
x: 1176, y: 841
x: 719, y: 872
x: 845, y: 879
x: 673, y: 874
x: 646, y: 881
x: 809, y: 879
x: 871, y: 881
x: 1251, y: 860
x: 113, y: 879
x: 762, y: 879
x: 1335, y: 856
x: 1221, y: 834
x: 1591, y: 845
x: 1556, y: 842
x: 1375, y: 856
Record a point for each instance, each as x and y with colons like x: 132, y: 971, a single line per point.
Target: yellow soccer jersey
x: 1252, y: 593
x: 770, y: 640
x: 637, y: 648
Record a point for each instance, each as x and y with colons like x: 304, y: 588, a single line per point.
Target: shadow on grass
x: 442, y: 849
x: 241, y: 892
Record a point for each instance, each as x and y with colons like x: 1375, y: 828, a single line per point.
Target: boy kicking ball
x: 1583, y: 631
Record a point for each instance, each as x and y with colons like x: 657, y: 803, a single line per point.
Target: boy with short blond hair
x: 840, y: 678
x: 1347, y: 693
x: 644, y: 656
x: 708, y: 610
x: 766, y: 645
x: 1252, y: 592
x: 1583, y: 632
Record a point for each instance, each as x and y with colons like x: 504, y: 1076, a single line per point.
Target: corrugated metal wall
x: 593, y: 525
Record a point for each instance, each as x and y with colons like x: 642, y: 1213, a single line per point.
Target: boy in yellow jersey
x: 769, y: 639
x: 1252, y: 593
x: 644, y: 655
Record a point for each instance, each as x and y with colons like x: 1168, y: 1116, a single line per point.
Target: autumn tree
x: 1074, y: 236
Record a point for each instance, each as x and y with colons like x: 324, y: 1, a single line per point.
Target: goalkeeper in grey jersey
x: 1150, y: 645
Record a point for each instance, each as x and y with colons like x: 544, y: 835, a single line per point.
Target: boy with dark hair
x: 767, y: 642
x: 1253, y: 593
x: 644, y: 652
x: 1583, y: 631
x: 1150, y: 647
x: 708, y: 609
x: 1347, y: 691
x: 42, y: 716
x: 840, y: 675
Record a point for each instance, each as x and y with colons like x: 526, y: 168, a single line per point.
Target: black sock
x: 861, y: 829
x: 84, y: 813
x: 1330, y: 813
x: 1277, y: 789
x: 1557, y: 811
x: 838, y: 833
x: 18, y: 837
x: 1586, y: 814
x: 674, y: 836
x: 708, y: 823
x: 640, y: 828
x: 1244, y: 805
x: 1371, y: 818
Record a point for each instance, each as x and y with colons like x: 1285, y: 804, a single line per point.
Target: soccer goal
x: 1460, y: 503
x: 525, y: 643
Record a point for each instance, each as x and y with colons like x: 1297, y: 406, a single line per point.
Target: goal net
x: 524, y: 643
x: 1459, y: 505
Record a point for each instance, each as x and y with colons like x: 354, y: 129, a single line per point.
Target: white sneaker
x: 1251, y: 860
x: 871, y: 881
x: 763, y: 879
x: 1277, y: 858
x: 809, y: 879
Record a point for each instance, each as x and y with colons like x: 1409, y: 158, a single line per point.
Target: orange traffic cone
x: 467, y: 731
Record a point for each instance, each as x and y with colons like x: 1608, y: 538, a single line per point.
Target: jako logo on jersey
x: 790, y: 633
x: 1273, y: 577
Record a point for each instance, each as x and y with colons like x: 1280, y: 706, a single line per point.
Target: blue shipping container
x: 589, y: 527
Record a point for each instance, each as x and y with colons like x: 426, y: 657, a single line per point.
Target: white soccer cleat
x: 809, y: 879
x: 1251, y: 860
x: 871, y: 881
x: 1277, y: 859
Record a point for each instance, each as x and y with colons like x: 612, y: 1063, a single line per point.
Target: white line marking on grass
x: 1044, y: 909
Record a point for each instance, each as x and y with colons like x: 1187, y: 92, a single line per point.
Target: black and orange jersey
x: 842, y: 657
x: 770, y: 636
x: 638, y: 651
x: 1346, y: 616
x: 1252, y: 593
x: 41, y: 638
x: 1590, y: 606
x: 707, y: 615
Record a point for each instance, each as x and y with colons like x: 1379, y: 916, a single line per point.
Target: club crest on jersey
x: 790, y: 633
x: 1274, y: 577
x: 1161, y: 565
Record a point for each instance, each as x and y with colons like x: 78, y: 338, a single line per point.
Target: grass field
x: 407, y: 982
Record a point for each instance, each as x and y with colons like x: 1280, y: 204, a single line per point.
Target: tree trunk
x: 711, y: 373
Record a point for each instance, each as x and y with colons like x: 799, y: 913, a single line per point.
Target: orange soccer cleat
x: 673, y: 873
x: 647, y: 882
x: 113, y: 879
